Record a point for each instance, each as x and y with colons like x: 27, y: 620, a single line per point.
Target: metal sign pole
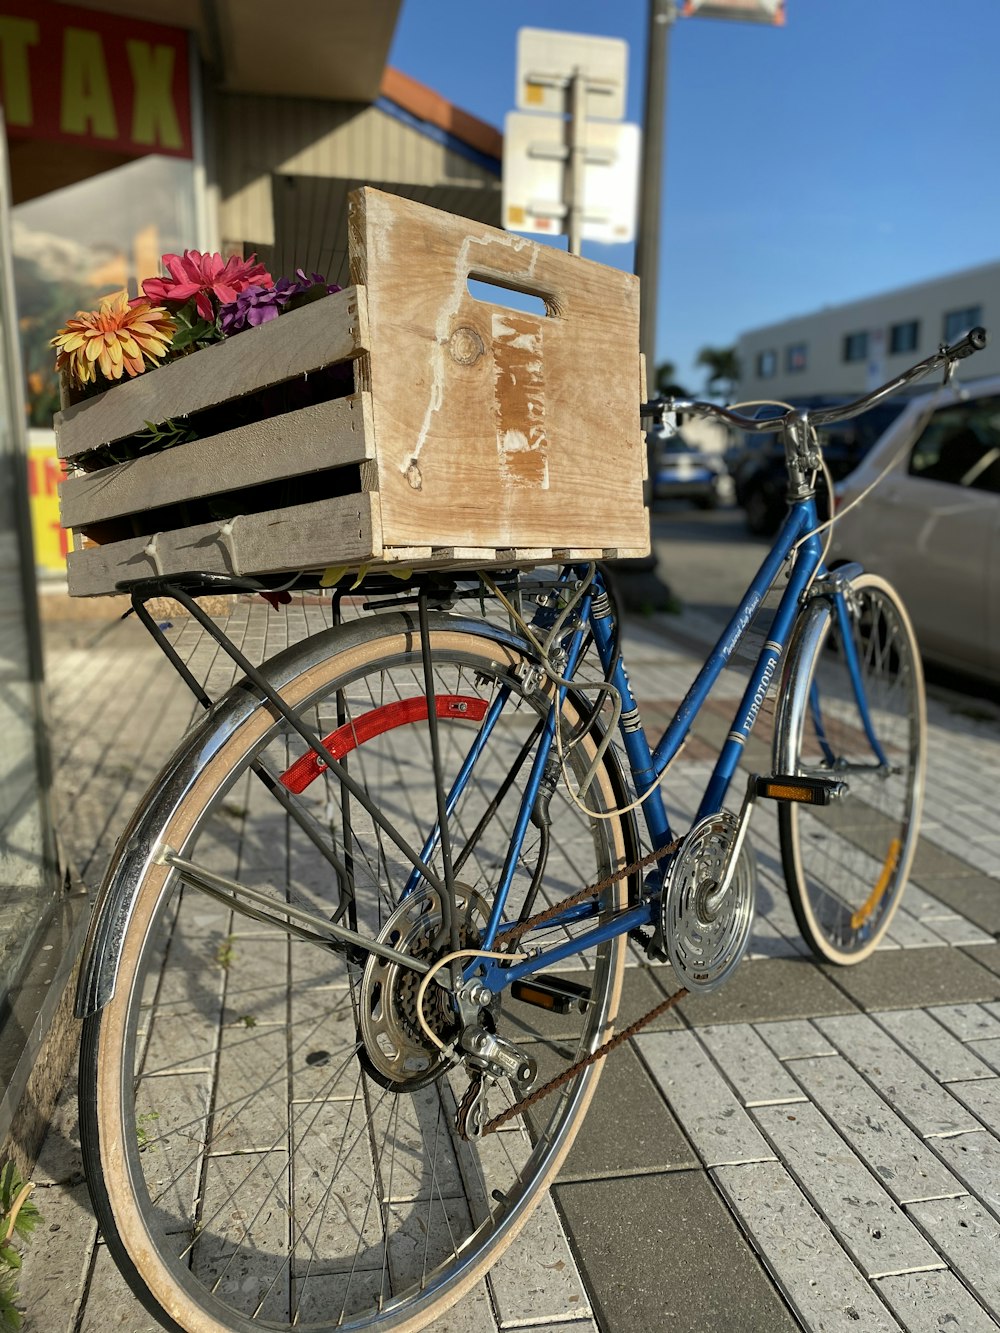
x: 577, y: 160
x: 647, y: 250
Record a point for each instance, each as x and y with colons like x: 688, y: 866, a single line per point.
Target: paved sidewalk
x: 807, y: 1147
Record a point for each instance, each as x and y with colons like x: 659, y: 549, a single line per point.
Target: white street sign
x: 535, y: 160
x: 547, y: 61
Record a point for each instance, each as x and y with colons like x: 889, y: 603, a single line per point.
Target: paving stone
x: 901, y: 979
x: 628, y: 1128
x: 988, y: 1052
x: 932, y: 862
x: 758, y: 1076
x: 925, y: 906
x: 675, y: 1259
x: 536, y: 1279
x: 708, y: 1110
x: 973, y: 896
x: 968, y: 1236
x: 56, y: 1260
x: 795, y: 1039
x: 930, y: 1302
x: 765, y: 989
x: 968, y: 1022
x: 817, y: 1278
x: 909, y: 933
x: 982, y: 1098
x: 906, y: 1086
x: 975, y: 1160
x: 896, y: 1156
x: 110, y: 1306
x: 959, y: 931
x: 928, y: 1041
x: 860, y: 1212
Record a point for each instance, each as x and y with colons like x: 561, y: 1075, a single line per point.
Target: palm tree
x: 723, y: 367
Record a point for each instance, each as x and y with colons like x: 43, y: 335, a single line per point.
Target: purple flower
x: 256, y: 305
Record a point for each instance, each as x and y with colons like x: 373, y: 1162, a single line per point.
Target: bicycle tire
x: 156, y: 1139
x: 846, y: 864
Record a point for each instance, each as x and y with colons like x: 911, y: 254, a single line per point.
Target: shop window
x: 75, y: 245
x: 957, y: 322
x: 767, y: 365
x: 796, y: 357
x: 856, y: 346
x: 904, y: 337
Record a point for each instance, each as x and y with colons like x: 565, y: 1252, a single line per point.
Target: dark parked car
x: 759, y: 474
x: 684, y: 472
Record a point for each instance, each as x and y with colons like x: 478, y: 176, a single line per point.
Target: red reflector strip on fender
x: 309, y: 766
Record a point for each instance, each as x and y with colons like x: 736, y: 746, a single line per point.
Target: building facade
x: 133, y: 129
x: 845, y: 350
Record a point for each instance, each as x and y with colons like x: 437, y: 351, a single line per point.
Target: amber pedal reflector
x: 807, y: 791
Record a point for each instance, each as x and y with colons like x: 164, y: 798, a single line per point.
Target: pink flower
x: 202, y: 276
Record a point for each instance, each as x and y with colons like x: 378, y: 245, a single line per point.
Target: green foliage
x: 723, y: 369
x: 666, y: 374
x: 11, y: 1188
x: 143, y: 1125
x: 163, y: 436
x: 10, y: 1315
x: 193, y: 332
x: 225, y: 954
x: 18, y: 1217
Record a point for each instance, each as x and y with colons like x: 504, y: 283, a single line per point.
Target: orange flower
x: 115, y: 338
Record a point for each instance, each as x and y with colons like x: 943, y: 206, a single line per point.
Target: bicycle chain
x: 513, y: 934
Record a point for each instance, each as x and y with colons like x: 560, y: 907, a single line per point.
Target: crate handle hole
x: 513, y: 298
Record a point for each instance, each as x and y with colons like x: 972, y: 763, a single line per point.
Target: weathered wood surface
x: 320, y: 334
x: 486, y: 436
x: 311, y: 536
x: 495, y: 426
x: 311, y: 439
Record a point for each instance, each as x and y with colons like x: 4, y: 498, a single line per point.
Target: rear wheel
x: 846, y: 864
x: 269, y: 1135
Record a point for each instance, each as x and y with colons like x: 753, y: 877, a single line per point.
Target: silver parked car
x: 932, y: 526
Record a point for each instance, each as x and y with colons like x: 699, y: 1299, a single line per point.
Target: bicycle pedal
x: 806, y: 791
x: 550, y: 992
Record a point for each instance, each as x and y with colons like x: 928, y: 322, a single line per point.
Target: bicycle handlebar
x: 974, y: 341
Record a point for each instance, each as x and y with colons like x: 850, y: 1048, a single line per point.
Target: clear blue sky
x: 853, y: 150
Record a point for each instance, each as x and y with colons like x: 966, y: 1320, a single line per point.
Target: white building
x: 848, y: 349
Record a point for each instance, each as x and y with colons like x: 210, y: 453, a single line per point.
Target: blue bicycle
x: 360, y: 951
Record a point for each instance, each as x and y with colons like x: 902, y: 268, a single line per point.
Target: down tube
x: 807, y: 560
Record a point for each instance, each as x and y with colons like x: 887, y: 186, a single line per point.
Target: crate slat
x: 303, y: 537
x: 327, y: 331
x: 326, y: 435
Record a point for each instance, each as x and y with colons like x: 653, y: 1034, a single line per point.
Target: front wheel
x: 269, y: 1136
x: 852, y: 710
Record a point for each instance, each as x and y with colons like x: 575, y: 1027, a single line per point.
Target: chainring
x: 706, y: 937
x: 395, y: 1050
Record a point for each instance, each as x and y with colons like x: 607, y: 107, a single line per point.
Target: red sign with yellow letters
x: 75, y: 76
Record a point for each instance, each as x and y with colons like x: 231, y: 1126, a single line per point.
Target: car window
x: 961, y: 446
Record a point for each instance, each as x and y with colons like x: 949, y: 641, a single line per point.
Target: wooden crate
x: 403, y: 421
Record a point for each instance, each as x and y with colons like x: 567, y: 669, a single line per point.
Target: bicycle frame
x: 796, y: 542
